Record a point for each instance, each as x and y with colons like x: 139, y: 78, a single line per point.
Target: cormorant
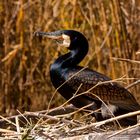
x: 71, y: 79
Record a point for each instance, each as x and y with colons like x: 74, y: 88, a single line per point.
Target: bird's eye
x: 75, y: 38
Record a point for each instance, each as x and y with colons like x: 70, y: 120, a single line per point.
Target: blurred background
x: 112, y: 28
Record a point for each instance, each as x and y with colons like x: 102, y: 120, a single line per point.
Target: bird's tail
x: 128, y: 121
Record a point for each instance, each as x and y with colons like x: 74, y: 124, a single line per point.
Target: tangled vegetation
x: 111, y: 27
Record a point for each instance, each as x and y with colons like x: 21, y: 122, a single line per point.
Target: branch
x: 133, y: 84
x: 106, y: 121
x: 23, y: 118
x: 126, y: 60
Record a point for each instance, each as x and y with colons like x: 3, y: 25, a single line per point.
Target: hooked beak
x: 60, y: 37
x: 52, y: 35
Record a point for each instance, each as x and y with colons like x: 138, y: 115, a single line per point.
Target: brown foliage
x: 111, y: 27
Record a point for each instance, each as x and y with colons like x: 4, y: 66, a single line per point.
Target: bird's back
x: 99, y: 87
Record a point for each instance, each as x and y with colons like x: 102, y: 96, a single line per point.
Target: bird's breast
x: 57, y: 75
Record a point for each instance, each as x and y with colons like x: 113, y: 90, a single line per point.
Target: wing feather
x: 110, y: 92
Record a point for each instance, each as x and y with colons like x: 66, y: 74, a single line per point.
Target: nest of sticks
x: 64, y: 123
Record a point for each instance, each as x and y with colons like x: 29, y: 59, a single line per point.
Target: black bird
x: 71, y: 79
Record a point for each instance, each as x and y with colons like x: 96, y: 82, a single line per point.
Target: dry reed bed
x: 112, y: 28
x: 64, y: 126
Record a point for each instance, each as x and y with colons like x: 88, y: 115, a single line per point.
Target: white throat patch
x: 66, y: 41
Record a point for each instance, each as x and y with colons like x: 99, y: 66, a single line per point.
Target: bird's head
x: 67, y: 38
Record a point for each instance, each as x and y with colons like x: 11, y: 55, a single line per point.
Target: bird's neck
x: 71, y: 59
x: 66, y: 62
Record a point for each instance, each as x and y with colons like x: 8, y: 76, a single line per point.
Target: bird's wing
x: 88, y: 80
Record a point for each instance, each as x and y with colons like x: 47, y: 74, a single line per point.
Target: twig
x: 133, y: 84
x: 18, y: 128
x: 27, y: 115
x: 7, y: 120
x: 105, y: 39
x: 125, y: 129
x: 7, y: 131
x: 23, y: 117
x: 40, y: 133
x: 106, y: 121
x: 138, y: 52
x: 42, y: 116
x: 126, y: 60
x: 78, y: 110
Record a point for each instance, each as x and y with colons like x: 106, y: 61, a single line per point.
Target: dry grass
x: 64, y: 126
x: 111, y: 27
